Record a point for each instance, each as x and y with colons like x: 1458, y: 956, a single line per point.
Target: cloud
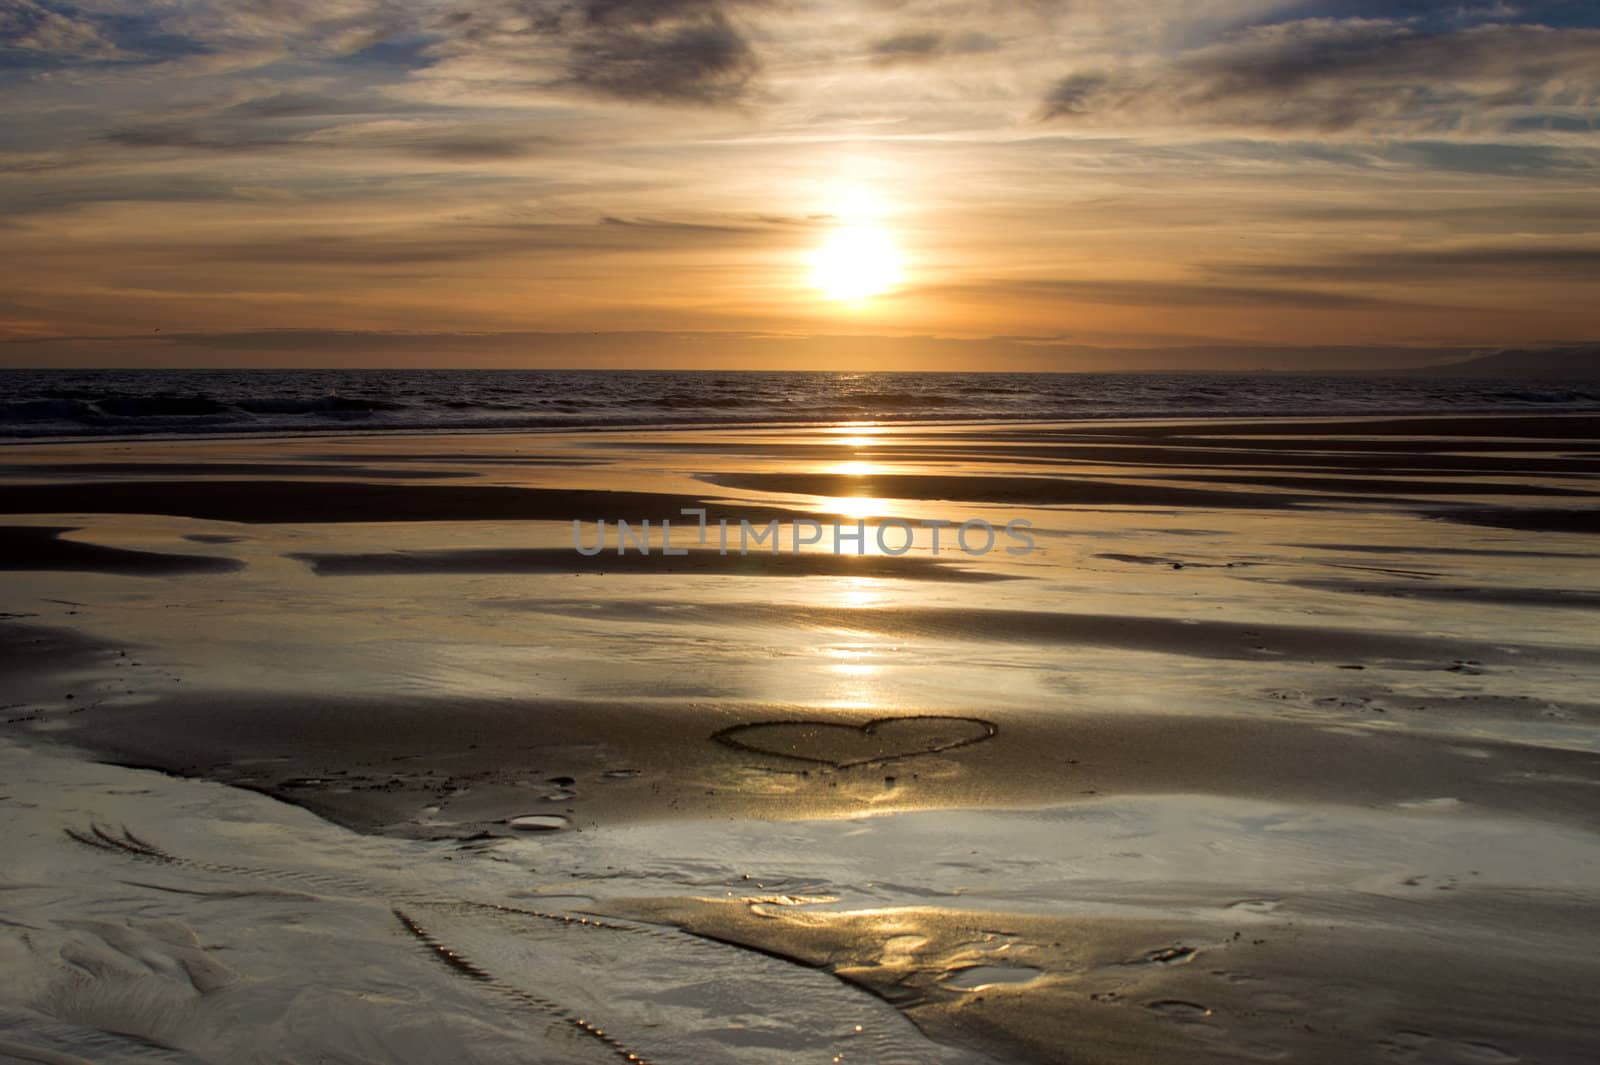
x: 923, y: 45
x: 1328, y: 76
x: 470, y: 149
x: 1536, y: 263
x: 446, y: 141
x: 187, y: 138
x: 340, y: 247
x: 1078, y: 94
x: 34, y: 27
x: 662, y: 225
x: 646, y: 12
x: 442, y: 141
x: 1134, y: 293
x: 663, y: 52
x: 703, y: 62
x: 311, y: 27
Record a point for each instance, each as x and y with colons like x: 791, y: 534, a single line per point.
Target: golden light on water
x: 855, y: 434
x: 855, y: 506
x: 853, y: 660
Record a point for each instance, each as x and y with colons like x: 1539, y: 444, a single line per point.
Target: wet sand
x: 1295, y: 765
x: 566, y: 560
x: 458, y: 768
x: 46, y: 548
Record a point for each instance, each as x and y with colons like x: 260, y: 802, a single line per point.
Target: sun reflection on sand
x: 856, y: 592
x: 852, y: 661
x: 856, y: 506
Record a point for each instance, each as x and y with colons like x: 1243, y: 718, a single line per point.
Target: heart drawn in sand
x: 886, y: 739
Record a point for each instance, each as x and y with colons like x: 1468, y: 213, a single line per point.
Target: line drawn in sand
x: 737, y: 1005
x: 845, y: 745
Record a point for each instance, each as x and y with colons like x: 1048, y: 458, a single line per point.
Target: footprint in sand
x: 539, y: 823
x: 986, y: 977
x: 1424, y: 1049
x: 1180, y: 1009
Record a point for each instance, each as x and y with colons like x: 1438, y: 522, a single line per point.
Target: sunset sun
x: 858, y: 261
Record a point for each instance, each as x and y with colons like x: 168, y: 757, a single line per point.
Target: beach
x: 1241, y: 739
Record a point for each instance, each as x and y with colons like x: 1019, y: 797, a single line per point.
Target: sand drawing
x: 422, y: 917
x: 846, y: 746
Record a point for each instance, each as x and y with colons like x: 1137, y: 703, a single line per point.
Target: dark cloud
x: 1169, y: 294
x: 426, y: 142
x: 446, y: 244
x: 28, y: 26
x: 297, y: 104
x: 1076, y: 94
x: 909, y: 46
x: 1331, y: 76
x: 189, y: 139
x: 470, y: 149
x: 1556, y: 218
x: 647, y: 12
x: 674, y: 52
x: 1449, y: 13
x: 33, y: 164
x: 704, y: 62
x: 1566, y: 263
x: 1521, y: 160
x: 661, y: 225
x: 923, y: 45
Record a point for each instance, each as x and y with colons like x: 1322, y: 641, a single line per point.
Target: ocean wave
x: 160, y: 406
x: 45, y: 410
x: 62, y: 403
x: 1544, y: 396
x: 319, y: 405
x: 903, y: 400
x: 684, y: 401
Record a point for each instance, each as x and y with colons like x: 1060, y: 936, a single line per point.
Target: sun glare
x: 857, y: 262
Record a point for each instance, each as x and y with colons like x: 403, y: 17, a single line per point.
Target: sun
x: 858, y: 261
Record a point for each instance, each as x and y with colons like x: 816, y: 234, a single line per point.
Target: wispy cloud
x: 922, y: 45
x: 674, y: 52
x: 1139, y: 293
x: 1553, y: 263
x: 29, y: 26
x: 1372, y: 77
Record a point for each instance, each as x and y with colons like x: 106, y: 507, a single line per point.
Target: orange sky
x: 1101, y: 175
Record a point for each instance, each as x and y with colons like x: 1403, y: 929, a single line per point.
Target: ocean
x: 75, y: 403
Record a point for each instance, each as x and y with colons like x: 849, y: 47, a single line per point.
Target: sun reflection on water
x: 856, y: 507
x: 852, y: 661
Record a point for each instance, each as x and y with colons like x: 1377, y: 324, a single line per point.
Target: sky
x: 926, y: 184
